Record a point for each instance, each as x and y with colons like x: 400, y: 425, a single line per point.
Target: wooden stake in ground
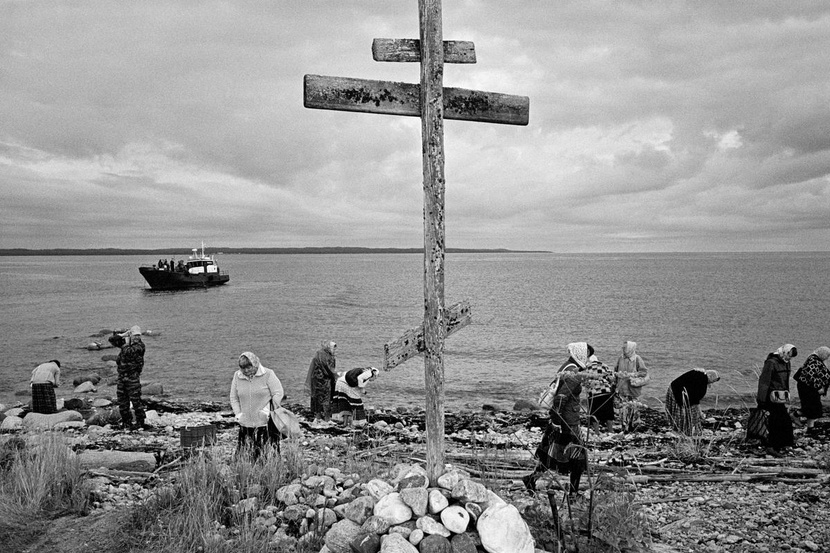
x: 429, y: 101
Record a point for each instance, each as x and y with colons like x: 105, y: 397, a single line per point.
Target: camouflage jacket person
x: 130, y: 360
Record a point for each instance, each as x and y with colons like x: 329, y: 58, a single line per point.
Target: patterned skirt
x: 347, y: 401
x: 43, y: 398
x: 683, y: 417
x: 561, y: 450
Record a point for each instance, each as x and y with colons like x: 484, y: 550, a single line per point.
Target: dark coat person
x: 773, y: 396
x: 130, y: 363
x: 320, y: 380
x: 683, y: 399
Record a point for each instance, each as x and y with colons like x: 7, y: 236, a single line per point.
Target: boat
x: 197, y: 271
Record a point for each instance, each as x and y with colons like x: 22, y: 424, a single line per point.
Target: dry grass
x: 203, y: 510
x: 38, y: 481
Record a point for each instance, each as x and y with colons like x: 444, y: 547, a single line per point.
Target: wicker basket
x: 197, y: 436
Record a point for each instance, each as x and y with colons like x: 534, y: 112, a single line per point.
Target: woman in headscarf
x: 773, y: 395
x: 812, y: 381
x: 632, y: 375
x: 255, y: 392
x: 319, y: 383
x: 562, y: 448
x: 683, y: 398
x: 347, y: 401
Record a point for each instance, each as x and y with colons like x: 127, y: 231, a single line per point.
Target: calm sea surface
x: 721, y: 311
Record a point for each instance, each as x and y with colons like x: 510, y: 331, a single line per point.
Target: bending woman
x: 562, y: 448
x: 683, y: 399
x: 347, y: 401
x: 254, y: 390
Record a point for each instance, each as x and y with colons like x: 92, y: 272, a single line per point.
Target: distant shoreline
x: 227, y: 251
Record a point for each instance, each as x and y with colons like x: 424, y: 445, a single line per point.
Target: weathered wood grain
x: 411, y: 343
x: 396, y: 98
x: 409, y: 50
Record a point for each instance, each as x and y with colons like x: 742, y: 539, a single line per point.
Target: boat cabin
x: 201, y: 264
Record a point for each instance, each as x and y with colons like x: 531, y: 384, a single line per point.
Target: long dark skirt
x: 810, y: 401
x: 561, y: 450
x: 257, y: 438
x: 321, y: 392
x: 601, y: 407
x: 780, y: 426
x: 43, y: 398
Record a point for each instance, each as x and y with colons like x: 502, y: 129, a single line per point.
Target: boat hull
x: 177, y: 280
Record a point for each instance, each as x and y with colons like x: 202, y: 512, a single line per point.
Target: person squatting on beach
x: 130, y: 363
x: 319, y: 382
x: 773, y: 396
x: 347, y: 400
x: 255, y: 392
x: 812, y: 381
x: 45, y: 378
x: 683, y: 398
x: 632, y: 375
x: 600, y: 395
x: 562, y: 448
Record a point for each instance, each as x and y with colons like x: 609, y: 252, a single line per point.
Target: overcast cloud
x: 654, y: 126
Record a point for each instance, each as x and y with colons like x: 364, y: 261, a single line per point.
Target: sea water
x: 712, y: 310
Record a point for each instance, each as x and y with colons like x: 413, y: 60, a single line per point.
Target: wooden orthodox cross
x: 432, y: 103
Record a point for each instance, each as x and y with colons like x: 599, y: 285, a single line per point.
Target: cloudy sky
x: 654, y: 126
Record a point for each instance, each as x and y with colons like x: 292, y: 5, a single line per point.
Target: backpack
x: 547, y: 395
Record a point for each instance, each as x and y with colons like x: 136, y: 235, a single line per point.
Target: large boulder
x: 136, y: 461
x: 152, y: 389
x: 525, y: 405
x: 455, y: 518
x: 41, y: 421
x: 341, y: 534
x: 74, y: 403
x: 84, y: 387
x: 11, y: 422
x: 417, y: 499
x: 467, y: 490
x: 360, y: 509
x: 396, y: 543
x: 503, y: 530
x: 78, y: 380
x: 392, y: 508
x: 103, y: 417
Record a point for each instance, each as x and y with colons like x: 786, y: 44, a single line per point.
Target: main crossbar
x: 394, y: 98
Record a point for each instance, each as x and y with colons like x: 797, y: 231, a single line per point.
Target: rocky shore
x: 716, y: 493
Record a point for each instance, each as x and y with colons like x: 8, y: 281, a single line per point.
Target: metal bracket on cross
x: 411, y: 343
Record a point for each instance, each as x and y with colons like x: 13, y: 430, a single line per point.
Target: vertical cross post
x: 432, y: 138
x: 432, y: 103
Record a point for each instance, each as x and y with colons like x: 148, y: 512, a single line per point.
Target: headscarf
x: 822, y: 353
x: 579, y: 353
x: 711, y: 375
x: 629, y: 349
x: 255, y: 364
x: 322, y: 358
x: 786, y: 352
